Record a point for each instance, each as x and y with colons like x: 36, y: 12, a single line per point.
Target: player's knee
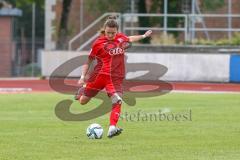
x: 116, y: 98
x: 84, y: 100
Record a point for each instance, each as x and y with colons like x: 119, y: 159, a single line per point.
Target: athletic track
x: 36, y: 86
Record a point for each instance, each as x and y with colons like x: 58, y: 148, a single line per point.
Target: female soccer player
x: 108, y: 50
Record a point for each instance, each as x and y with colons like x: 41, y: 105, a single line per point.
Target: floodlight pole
x: 229, y: 19
x: 193, y: 20
x: 33, y: 36
x: 81, y: 15
x: 165, y: 17
x: 132, y: 11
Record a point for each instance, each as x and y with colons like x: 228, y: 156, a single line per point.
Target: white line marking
x: 15, y: 90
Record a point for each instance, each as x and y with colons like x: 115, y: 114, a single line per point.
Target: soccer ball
x: 94, y: 131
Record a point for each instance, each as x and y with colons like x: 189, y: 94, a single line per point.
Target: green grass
x: 29, y: 130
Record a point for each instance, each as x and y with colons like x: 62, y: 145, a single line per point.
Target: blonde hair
x: 110, y: 22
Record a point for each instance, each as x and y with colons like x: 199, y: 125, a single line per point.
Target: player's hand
x: 148, y: 33
x: 81, y: 82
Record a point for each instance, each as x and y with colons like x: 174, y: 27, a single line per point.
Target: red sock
x: 115, y: 114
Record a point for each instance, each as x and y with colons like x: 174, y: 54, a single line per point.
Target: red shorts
x: 97, y: 83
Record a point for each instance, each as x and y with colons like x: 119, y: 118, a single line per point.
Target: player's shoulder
x: 99, y: 40
x: 122, y: 36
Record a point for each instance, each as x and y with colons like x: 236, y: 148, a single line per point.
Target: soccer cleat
x: 114, y: 131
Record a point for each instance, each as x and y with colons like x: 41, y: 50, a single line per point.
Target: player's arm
x: 85, y: 69
x: 136, y: 38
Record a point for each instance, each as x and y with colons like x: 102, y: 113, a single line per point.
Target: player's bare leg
x: 84, y: 99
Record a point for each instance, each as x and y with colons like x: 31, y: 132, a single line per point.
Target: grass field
x: 29, y: 129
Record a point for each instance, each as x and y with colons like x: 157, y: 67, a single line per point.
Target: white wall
x: 188, y: 67
x: 181, y: 67
x: 53, y: 59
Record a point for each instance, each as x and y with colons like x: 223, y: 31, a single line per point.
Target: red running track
x: 16, y: 86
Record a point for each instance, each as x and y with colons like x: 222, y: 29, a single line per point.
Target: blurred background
x: 200, y: 37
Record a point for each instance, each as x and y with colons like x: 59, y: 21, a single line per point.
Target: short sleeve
x: 125, y: 42
x: 124, y: 37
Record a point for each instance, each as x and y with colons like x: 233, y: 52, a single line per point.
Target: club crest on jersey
x: 120, y: 40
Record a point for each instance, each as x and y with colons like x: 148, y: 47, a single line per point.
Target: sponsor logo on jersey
x: 113, y: 48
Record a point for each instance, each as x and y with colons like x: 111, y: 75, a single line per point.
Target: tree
x: 63, y: 30
x: 143, y: 21
x: 212, y: 5
x: 97, y: 7
x: 25, y: 21
x: 174, y: 7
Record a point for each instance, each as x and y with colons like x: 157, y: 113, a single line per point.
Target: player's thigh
x: 92, y: 88
x: 114, y: 86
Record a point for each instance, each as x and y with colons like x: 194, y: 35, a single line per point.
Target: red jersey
x: 110, y: 55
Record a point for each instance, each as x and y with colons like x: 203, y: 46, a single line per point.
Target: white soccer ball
x: 94, y: 131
